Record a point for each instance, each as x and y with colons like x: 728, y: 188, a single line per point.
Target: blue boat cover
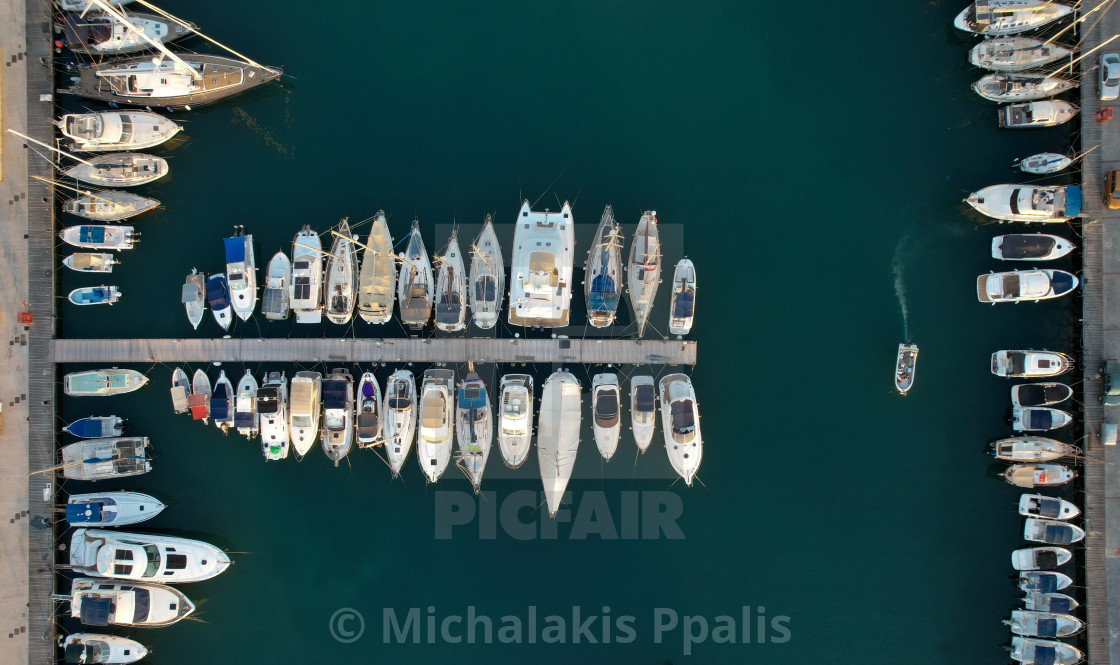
x: 1045, y: 656
x: 242, y: 419
x: 1058, y: 534
x: 603, y: 295
x: 219, y: 402
x: 1039, y: 420
x: 486, y: 289
x: 1060, y: 606
x: 1061, y: 282
x: 1047, y: 628
x: 95, y: 611
x: 217, y: 292
x: 91, y: 234
x: 448, y: 308
x: 1045, y: 583
x: 83, y: 513
x: 1073, y: 200
x: 334, y: 394
x: 367, y: 390
x: 235, y: 250
x: 683, y: 307
x: 472, y: 396
x: 89, y: 428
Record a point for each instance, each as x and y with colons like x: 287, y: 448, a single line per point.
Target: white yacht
x: 1009, y: 17
x: 111, y: 508
x: 644, y: 269
x: 1038, y: 419
x: 180, y: 390
x: 1036, y: 114
x: 115, y: 130
x: 119, y: 169
x: 241, y: 273
x: 83, y: 5
x: 95, y: 236
x: 303, y: 411
x: 377, y: 280
x: 272, y: 407
x: 1038, y: 475
x: 1040, y: 505
x: 561, y: 413
x: 488, y: 277
x: 606, y: 413
x: 1032, y: 449
x: 680, y: 418
x: 101, y: 649
x: 540, y: 282
x: 682, y: 307
x: 194, y: 297
x: 1051, y: 532
x: 101, y: 34
x: 1000, y: 87
x: 90, y: 262
x: 307, y: 277
x: 643, y: 410
x: 515, y: 422
x: 144, y: 557
x: 199, y: 399
x: 1030, y: 247
x: 340, y: 279
x: 474, y: 425
x: 437, y: 429
x: 275, y: 296
x: 415, y: 289
x: 1027, y: 203
x: 338, y: 414
x: 1043, y: 624
x: 139, y: 605
x: 1024, y: 285
x: 109, y: 205
x: 367, y: 426
x: 398, y: 426
x: 221, y: 403
x: 451, y: 288
x: 245, y: 416
x: 1040, y: 558
x: 1030, y: 363
x: 102, y: 459
x: 217, y: 294
x: 1015, y: 54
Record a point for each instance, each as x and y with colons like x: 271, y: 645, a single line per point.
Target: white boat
x: 415, y: 290
x: 144, y: 557
x: 377, y: 280
x: 1009, y: 17
x: 602, y: 274
x: 1030, y: 247
x: 1002, y: 87
x: 680, y: 418
x: 1024, y: 285
x: 451, y: 288
x: 94, y: 295
x: 561, y: 413
x: 1043, y: 624
x: 1040, y: 505
x: 101, y: 34
x: 119, y: 169
x: 272, y: 407
x: 1051, y: 532
x: 303, y: 411
x: 399, y: 422
x: 217, y: 295
x: 245, y: 416
x: 644, y: 268
x: 474, y: 425
x: 1032, y: 449
x: 194, y: 297
x: 1043, y: 581
x: 1038, y: 419
x: 338, y: 414
x: 1030, y: 363
x: 683, y: 304
x: 643, y: 410
x: 437, y: 429
x: 307, y: 277
x: 95, y: 427
x: 90, y: 262
x: 488, y: 277
x: 540, y: 282
x: 1035, y: 115
x: 367, y: 426
x: 1044, y: 163
x: 1040, y: 558
x: 199, y: 400
x: 340, y: 278
x: 905, y: 367
x: 115, y: 130
x: 274, y: 296
x: 111, y: 508
x: 241, y: 273
x: 1015, y: 54
x: 83, y: 5
x: 103, y: 382
x: 1058, y: 603
x: 139, y: 605
x: 606, y: 413
x: 109, y: 205
x: 95, y: 648
x: 515, y: 419
x: 180, y: 390
x: 221, y: 403
x: 95, y: 236
x: 1038, y: 475
x: 1027, y: 203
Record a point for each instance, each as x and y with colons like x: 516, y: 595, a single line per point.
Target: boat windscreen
x: 142, y: 602
x: 682, y: 416
x: 94, y: 652
x: 606, y: 406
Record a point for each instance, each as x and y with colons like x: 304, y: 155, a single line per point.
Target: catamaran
x: 101, y: 459
x: 540, y: 283
x: 272, y: 406
x: 97, y: 648
x: 147, y: 556
x: 109, y: 205
x: 680, y: 418
x: 1030, y: 363
x: 437, y: 422
x: 98, y: 34
x: 603, y: 274
x: 95, y: 295
x: 368, y: 422
x: 274, y: 297
x: 377, y: 280
x: 303, y: 412
x: 221, y: 403
x: 1026, y: 203
x: 194, y: 297
x: 1015, y: 54
x: 398, y: 426
x: 338, y: 414
x: 111, y: 508
x: 180, y: 390
x: 1000, y: 87
x: 643, y: 410
x: 474, y: 426
x: 102, y: 382
x: 515, y: 425
x: 339, y: 296
x: 90, y: 262
x: 119, y: 169
x: 1033, y: 115
x: 307, y: 277
x: 100, y: 237
x: 1023, y: 285
x: 115, y: 130
x: 199, y: 399
x: 217, y: 294
x: 644, y: 268
x: 682, y: 306
x: 95, y: 427
x: 606, y: 413
x: 1030, y: 247
x: 1009, y: 17
x: 561, y: 412
x: 488, y: 277
x: 245, y: 416
x: 241, y: 273
x: 451, y: 288
x: 414, y: 288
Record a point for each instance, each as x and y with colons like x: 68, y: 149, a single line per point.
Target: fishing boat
x: 1057, y: 603
x: 1038, y: 419
x: 217, y: 294
x: 603, y: 276
x: 1044, y: 163
x: 488, y: 277
x: 115, y: 130
x: 307, y: 277
x: 377, y: 278
x: 94, y: 295
x: 1032, y: 449
x: 108, y: 205
x: 199, y: 401
x: 119, y: 169
x: 368, y: 423
x: 1038, y: 475
x: 100, y: 237
x: 241, y: 273
x: 906, y: 367
x: 144, y: 556
x: 194, y: 297
x: 606, y: 413
x: 221, y: 403
x: 399, y: 423
x: 474, y: 426
x: 515, y: 419
x: 274, y: 297
x: 338, y: 414
x: 1040, y: 505
x: 303, y: 411
x: 437, y: 429
x: 1015, y: 54
x: 1041, y: 581
x: 245, y: 416
x: 180, y: 390
x: 1051, y: 532
x: 1029, y: 363
x: 643, y: 410
x: 680, y: 418
x: 1024, y: 285
x: 272, y: 407
x: 451, y: 288
x: 95, y: 648
x: 139, y: 605
x: 95, y: 427
x: 683, y: 303
x: 101, y: 34
x: 1043, y: 624
x: 540, y: 283
x: 340, y: 276
x: 1040, y: 558
x: 1035, y: 115
x: 1026, y: 203
x: 102, y: 459
x: 144, y: 81
x: 1030, y: 247
x: 561, y: 412
x: 111, y: 508
x: 103, y: 382
x: 90, y: 262
x: 1009, y: 17
x: 1003, y: 87
x: 644, y: 268
x: 415, y: 290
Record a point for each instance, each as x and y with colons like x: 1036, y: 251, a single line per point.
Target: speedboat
x: 515, y: 419
x: 643, y: 410
x: 1031, y: 651
x: 111, y: 508
x: 144, y: 556
x: 95, y: 427
x: 194, y: 297
x: 103, y: 382
x: 414, y: 286
x: 221, y: 403
x: 199, y: 400
x: 119, y: 169
x: 1044, y: 163
x: 377, y: 279
x: 398, y: 426
x: 1033, y: 115
x: 274, y: 297
x: 540, y: 281
x: 905, y: 367
x: 488, y: 277
x: 369, y: 411
x: 340, y: 276
x: 1057, y: 603
x: 1028, y: 203
x: 338, y: 414
x: 272, y: 407
x: 1043, y: 624
x: 217, y: 294
x: 1032, y: 449
x: 1015, y: 54
x: 90, y: 262
x: 1002, y: 87
x: 115, y: 130
x: 1023, y: 285
x: 307, y: 277
x: 1029, y: 363
x: 1038, y: 419
x: 303, y: 411
x: 241, y: 273
x: 108, y: 205
x: 95, y: 295
x: 603, y: 275
x: 561, y: 412
x: 139, y: 605
x: 606, y: 413
x: 433, y: 446
x: 474, y: 426
x: 94, y: 236
x: 1008, y: 17
x: 245, y: 416
x: 1051, y: 532
x: 1039, y: 505
x: 683, y: 303
x: 95, y: 648
x: 451, y: 288
x: 1040, y: 558
x: 1038, y: 475
x: 644, y: 268
x: 680, y: 418
x: 1041, y: 581
x: 101, y: 34
x: 1030, y: 247
x: 180, y: 390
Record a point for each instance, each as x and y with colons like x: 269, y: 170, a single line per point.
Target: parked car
x: 1112, y: 189
x: 1109, y: 77
x: 1110, y: 383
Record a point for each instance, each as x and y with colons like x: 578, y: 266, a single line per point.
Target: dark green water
x: 795, y: 155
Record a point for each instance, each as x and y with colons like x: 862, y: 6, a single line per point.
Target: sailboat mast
x: 1083, y: 55
x: 108, y: 9
x: 207, y: 38
x: 50, y: 147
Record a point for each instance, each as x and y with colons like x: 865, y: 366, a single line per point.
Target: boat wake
x: 899, y: 284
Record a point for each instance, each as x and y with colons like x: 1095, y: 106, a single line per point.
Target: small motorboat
x: 338, y: 414
x: 341, y: 277
x: 102, y: 459
x: 135, y: 604
x: 1029, y: 363
x: 180, y: 390
x: 90, y: 262
x: 1024, y: 285
x: 1039, y: 394
x: 194, y: 297
x: 1044, y: 163
x: 116, y: 130
x: 1038, y: 475
x: 1028, y: 203
x: 451, y: 288
x: 515, y: 431
x: 303, y: 410
x: 1015, y: 54
x: 111, y: 508
x: 103, y: 382
x: 1038, y: 419
x: 217, y: 294
x: 1030, y: 247
x: 398, y: 423
x: 95, y: 427
x: 1032, y: 449
x: 680, y: 420
x: 88, y: 648
x: 272, y: 407
x: 415, y: 290
x: 1056, y: 603
x: 274, y: 298
x: 1043, y: 624
x: 245, y: 416
x: 1034, y: 115
x: 603, y: 273
x: 94, y: 236
x: 199, y: 400
x: 488, y: 277
x: 241, y: 273
x: 437, y: 422
x: 221, y: 403
x: 905, y: 367
x: 1040, y: 558
x: 119, y: 169
x: 643, y: 410
x: 1003, y: 87
x: 109, y: 205
x: 1039, y: 505
x: 368, y: 423
x: 1009, y: 17
x: 1031, y: 651
x: 1041, y: 581
x: 474, y: 428
x: 95, y: 295
x: 644, y: 268
x: 682, y: 306
x: 560, y: 416
x: 144, y: 556
x: 1051, y: 532
x: 377, y: 278
x: 606, y: 413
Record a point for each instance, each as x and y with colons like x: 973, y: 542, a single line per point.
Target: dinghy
x: 1043, y: 624
x: 139, y: 605
x: 305, y: 298
x: 643, y: 410
x: 217, y: 293
x: 399, y: 421
x: 680, y: 422
x: 88, y: 648
x: 180, y: 390
x: 272, y: 407
x: 95, y: 427
x: 1029, y: 363
x: 1015, y: 54
x: 120, y: 169
x: 339, y: 296
x: 515, y: 429
x: 1039, y: 505
x: 1032, y: 449
x: 377, y: 279
x: 451, y: 288
x: 95, y: 295
x: 905, y: 367
x: 561, y: 412
x: 1001, y: 87
x: 194, y: 297
x: 303, y: 411
x: 1031, y: 651
x: 606, y: 413
x: 115, y: 130
x: 241, y: 273
x: 1039, y: 394
x: 683, y: 303
x: 1038, y: 475
x: 199, y: 401
x: 1030, y: 247
x: 368, y: 424
x: 100, y: 237
x: 1043, y: 581
x: 1051, y: 532
x: 414, y: 288
x: 102, y: 459
x: 109, y: 205
x: 1024, y: 285
x: 1035, y: 115
x: 437, y: 429
x: 111, y: 508
x: 245, y: 416
x: 338, y: 414
x: 1056, y: 603
x: 644, y: 268
x: 1040, y: 558
x: 221, y: 403
x: 144, y: 556
x: 103, y: 382
x: 1009, y: 17
x: 1043, y: 163
x: 603, y: 273
x: 274, y: 298
x: 90, y: 262
x: 488, y: 277
x: 474, y: 428
x: 1027, y: 203
x: 1038, y: 419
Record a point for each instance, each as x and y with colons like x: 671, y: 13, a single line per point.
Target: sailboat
x: 338, y: 414
x: 94, y: 295
x: 90, y: 262
x: 241, y: 273
x: 398, y: 424
x: 606, y: 413
x: 1015, y: 54
x: 180, y: 390
x: 680, y: 418
x: 221, y: 403
x: 98, y: 34
x: 1009, y: 17
x: 437, y: 422
x: 109, y: 205
x: 603, y: 272
x: 1030, y: 247
x: 101, y: 459
x: 274, y: 297
x: 474, y: 426
x: 1044, y: 163
x: 644, y: 268
x: 272, y: 407
x: 307, y: 277
x: 245, y: 416
x: 303, y: 411
x: 540, y: 281
x: 377, y: 280
x: 1000, y: 87
x: 682, y: 307
x: 199, y: 399
x: 488, y: 277
x: 107, y: 131
x: 515, y: 430
x: 414, y: 287
x: 93, y: 236
x: 339, y: 296
x: 368, y: 423
x: 1032, y: 449
x: 643, y: 410
x: 194, y: 297
x: 119, y: 169
x: 561, y: 412
x: 451, y: 288
x: 217, y: 293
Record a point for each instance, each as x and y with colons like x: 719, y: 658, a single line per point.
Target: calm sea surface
x: 812, y: 164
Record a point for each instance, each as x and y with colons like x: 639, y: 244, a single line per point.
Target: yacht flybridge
x: 999, y: 87
x: 109, y: 205
x: 241, y: 273
x: 540, y: 284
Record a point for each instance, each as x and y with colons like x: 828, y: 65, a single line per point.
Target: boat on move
x: 1038, y: 475
x: 102, y: 382
x: 340, y: 276
x: 90, y: 262
x: 144, y: 556
x: 398, y: 426
x: 451, y: 288
x: 101, y: 459
x: 1033, y: 115
x: 561, y: 412
x: 540, y: 282
x: 274, y: 297
x: 100, y: 603
x: 680, y: 418
x: 199, y: 401
x: 474, y: 426
x: 415, y: 290
x: 1026, y: 203
x: 241, y: 273
x: 1030, y: 247
x: 606, y: 413
x: 377, y: 279
x: 643, y: 410
x: 1001, y: 87
x: 217, y: 293
x: 96, y: 427
x: 1031, y: 651
x: 115, y: 130
x: 194, y: 297
x: 1057, y: 603
x: 100, y: 237
x: 221, y: 403
x: 245, y: 416
x: 94, y: 648
x: 1015, y: 54
x: 905, y: 367
x: 1029, y: 363
x: 94, y: 295
x: 303, y: 411
x: 644, y: 268
x: 368, y: 424
x: 1039, y: 505
x: 1051, y: 532
x: 307, y: 277
x: 1041, y: 581
x: 683, y: 304
x: 180, y: 390
x: 272, y: 407
x: 515, y: 426
x: 111, y: 508
x: 488, y: 277
x: 433, y: 446
x: 148, y: 82
x: 1038, y: 419
x: 1043, y: 624
x: 603, y: 275
x: 338, y: 414
x: 1040, y: 558
x: 105, y: 35
x: 119, y: 169
x: 1044, y: 163
x: 109, y: 205
x: 1023, y: 285
x: 1009, y: 17
x: 1032, y: 449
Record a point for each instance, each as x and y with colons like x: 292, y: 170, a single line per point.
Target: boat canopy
x: 1039, y: 419
x: 235, y: 249
x: 449, y: 308
x: 644, y: 397
x: 89, y: 428
x: 1044, y: 583
x: 274, y: 301
x: 606, y: 408
x: 1048, y: 507
x: 1059, y: 605
x: 243, y: 419
x: 486, y: 289
x: 268, y: 400
x: 89, y: 652
x: 334, y: 393
x: 1073, y: 200
x: 84, y: 513
x: 1058, y: 534
x: 472, y: 396
x: 682, y: 308
x: 91, y: 234
x: 1046, y: 559
x: 198, y: 406
x: 604, y: 294
x: 78, y: 29
x: 1045, y: 656
x: 219, y: 402
x: 1061, y: 282
x: 1026, y: 246
x: 97, y: 611
x: 217, y: 293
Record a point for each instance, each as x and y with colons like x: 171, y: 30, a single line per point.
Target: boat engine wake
x: 899, y: 284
